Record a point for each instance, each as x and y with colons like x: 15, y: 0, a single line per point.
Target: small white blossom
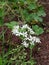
x: 25, y: 26
x: 32, y: 43
x: 31, y: 31
x: 17, y: 34
x: 24, y: 34
x: 27, y: 37
x: 31, y: 37
x: 36, y: 39
x: 16, y: 27
x: 25, y: 44
x: 14, y: 31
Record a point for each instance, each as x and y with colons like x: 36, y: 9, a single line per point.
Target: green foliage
x: 1, y: 12
x: 31, y: 62
x: 26, y: 11
x: 32, y: 46
x: 1, y: 21
x: 1, y: 60
x: 2, y: 9
x: 41, y: 11
x: 38, y: 30
x: 18, y: 56
x: 32, y: 6
x: 11, y: 24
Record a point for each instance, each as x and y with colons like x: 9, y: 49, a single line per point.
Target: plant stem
x: 21, y: 13
x: 30, y: 53
x: 2, y: 43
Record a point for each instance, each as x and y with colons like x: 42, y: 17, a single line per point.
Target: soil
x: 42, y: 56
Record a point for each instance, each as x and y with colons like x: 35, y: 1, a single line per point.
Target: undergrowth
x: 28, y: 12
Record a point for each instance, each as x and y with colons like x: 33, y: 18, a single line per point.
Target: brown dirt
x: 42, y: 56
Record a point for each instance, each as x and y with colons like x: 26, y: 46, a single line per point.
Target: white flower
x: 27, y: 36
x: 25, y: 26
x: 14, y: 31
x: 25, y: 44
x: 16, y: 27
x: 28, y: 39
x: 31, y: 31
x: 32, y: 43
x: 31, y: 37
x: 24, y: 34
x: 36, y: 39
x: 17, y: 34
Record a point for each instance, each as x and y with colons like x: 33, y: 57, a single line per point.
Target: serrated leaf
x: 37, y: 18
x: 11, y: 24
x: 32, y: 6
x: 41, y: 12
x: 38, y: 30
x: 40, y: 19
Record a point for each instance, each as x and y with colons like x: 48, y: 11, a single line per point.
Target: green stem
x: 2, y: 43
x: 21, y: 13
x: 3, y: 39
x: 30, y: 53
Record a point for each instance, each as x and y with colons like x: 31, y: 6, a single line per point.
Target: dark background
x: 45, y: 3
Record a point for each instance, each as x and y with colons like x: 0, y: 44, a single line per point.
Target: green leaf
x: 41, y: 11
x: 11, y: 24
x: 40, y: 19
x: 31, y: 62
x: 2, y: 8
x: 12, y: 0
x: 32, y: 46
x: 32, y: 6
x: 38, y: 30
x: 25, y: 12
x: 37, y: 18
x: 24, y: 63
x: 1, y: 21
x: 1, y: 61
x: 1, y: 12
x: 31, y: 1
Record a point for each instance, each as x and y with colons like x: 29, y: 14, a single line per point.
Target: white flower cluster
x: 27, y: 34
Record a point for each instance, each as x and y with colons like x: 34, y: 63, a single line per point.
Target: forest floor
x: 41, y: 56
